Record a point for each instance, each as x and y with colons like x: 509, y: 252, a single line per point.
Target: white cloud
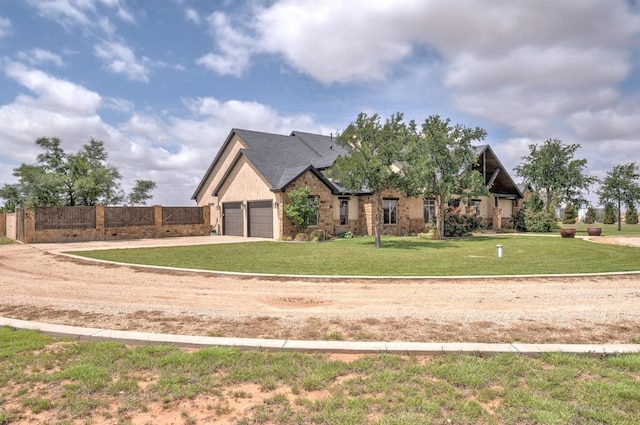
x: 121, y: 60
x: 52, y: 94
x: 336, y: 42
x: 192, y: 15
x: 5, y: 27
x: 67, y: 12
x: 57, y: 108
x: 235, y: 48
x: 39, y: 57
x: 84, y: 13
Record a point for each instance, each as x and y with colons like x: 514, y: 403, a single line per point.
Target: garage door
x: 232, y: 219
x: 261, y: 219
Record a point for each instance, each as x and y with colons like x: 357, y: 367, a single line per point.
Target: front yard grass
x: 48, y: 380
x: 410, y: 256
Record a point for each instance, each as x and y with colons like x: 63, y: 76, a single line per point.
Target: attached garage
x: 261, y: 219
x: 232, y: 219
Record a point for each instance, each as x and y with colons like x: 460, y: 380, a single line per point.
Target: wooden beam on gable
x: 493, y: 177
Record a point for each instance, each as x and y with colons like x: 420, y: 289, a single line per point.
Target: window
x: 390, y: 211
x: 429, y: 210
x: 344, y: 212
x: 474, y: 206
x: 315, y: 218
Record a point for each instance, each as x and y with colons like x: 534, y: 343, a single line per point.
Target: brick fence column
x: 157, y: 216
x: 100, y: 232
x: 29, y: 225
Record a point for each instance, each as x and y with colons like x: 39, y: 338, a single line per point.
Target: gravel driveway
x: 39, y: 284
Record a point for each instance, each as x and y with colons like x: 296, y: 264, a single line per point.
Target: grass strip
x: 48, y: 380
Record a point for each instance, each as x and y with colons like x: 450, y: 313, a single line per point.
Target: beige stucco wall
x: 227, y: 156
x: 486, y: 206
x: 506, y: 205
x: 10, y: 226
x: 244, y: 184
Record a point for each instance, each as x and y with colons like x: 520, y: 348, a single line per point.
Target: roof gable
x: 496, y: 177
x: 279, y: 158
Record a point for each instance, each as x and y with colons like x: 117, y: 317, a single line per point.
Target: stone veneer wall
x: 326, y: 221
x: 101, y: 233
x: 3, y: 221
x: 410, y: 215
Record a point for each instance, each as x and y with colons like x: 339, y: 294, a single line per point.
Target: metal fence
x: 182, y: 215
x: 128, y: 216
x: 80, y: 217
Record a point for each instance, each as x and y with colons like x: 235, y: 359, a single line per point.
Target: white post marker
x: 499, y: 247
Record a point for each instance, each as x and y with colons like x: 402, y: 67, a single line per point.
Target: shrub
x: 569, y: 214
x: 632, y: 215
x: 346, y: 235
x: 519, y: 221
x: 457, y: 224
x: 302, y: 208
x: 539, y: 221
x: 318, y: 235
x: 609, y: 214
x: 590, y: 217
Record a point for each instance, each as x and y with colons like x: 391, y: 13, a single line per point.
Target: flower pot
x: 568, y: 233
x: 594, y: 231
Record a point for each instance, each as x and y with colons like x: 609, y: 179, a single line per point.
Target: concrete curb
x: 342, y: 347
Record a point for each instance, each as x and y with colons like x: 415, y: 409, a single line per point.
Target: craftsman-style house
x: 248, y: 182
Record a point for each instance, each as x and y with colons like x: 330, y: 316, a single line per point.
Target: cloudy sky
x: 163, y: 82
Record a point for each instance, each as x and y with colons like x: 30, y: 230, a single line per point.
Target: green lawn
x: 398, y: 256
x: 47, y: 380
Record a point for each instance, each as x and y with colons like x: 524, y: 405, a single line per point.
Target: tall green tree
x: 61, y: 179
x: 301, y: 208
x: 438, y: 163
x: 552, y: 170
x: 141, y: 192
x: 372, y: 150
x: 621, y: 186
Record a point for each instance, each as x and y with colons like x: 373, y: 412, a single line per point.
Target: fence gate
x: 20, y: 224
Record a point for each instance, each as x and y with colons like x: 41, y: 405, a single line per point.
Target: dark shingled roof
x: 281, y: 159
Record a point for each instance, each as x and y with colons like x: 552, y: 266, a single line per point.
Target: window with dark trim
x: 429, y: 210
x: 314, y: 200
x: 475, y: 206
x: 390, y: 211
x: 344, y: 211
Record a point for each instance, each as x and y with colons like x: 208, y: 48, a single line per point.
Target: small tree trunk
x: 619, y: 216
x: 439, y: 210
x: 377, y: 220
x: 549, y: 197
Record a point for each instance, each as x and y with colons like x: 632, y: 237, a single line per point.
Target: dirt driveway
x: 38, y: 284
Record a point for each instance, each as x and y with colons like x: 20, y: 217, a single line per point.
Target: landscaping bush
x: 539, y: 221
x: 590, y: 217
x: 519, y: 222
x: 534, y: 218
x: 458, y: 224
x: 632, y: 214
x: 609, y: 214
x: 569, y: 214
x: 345, y: 235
